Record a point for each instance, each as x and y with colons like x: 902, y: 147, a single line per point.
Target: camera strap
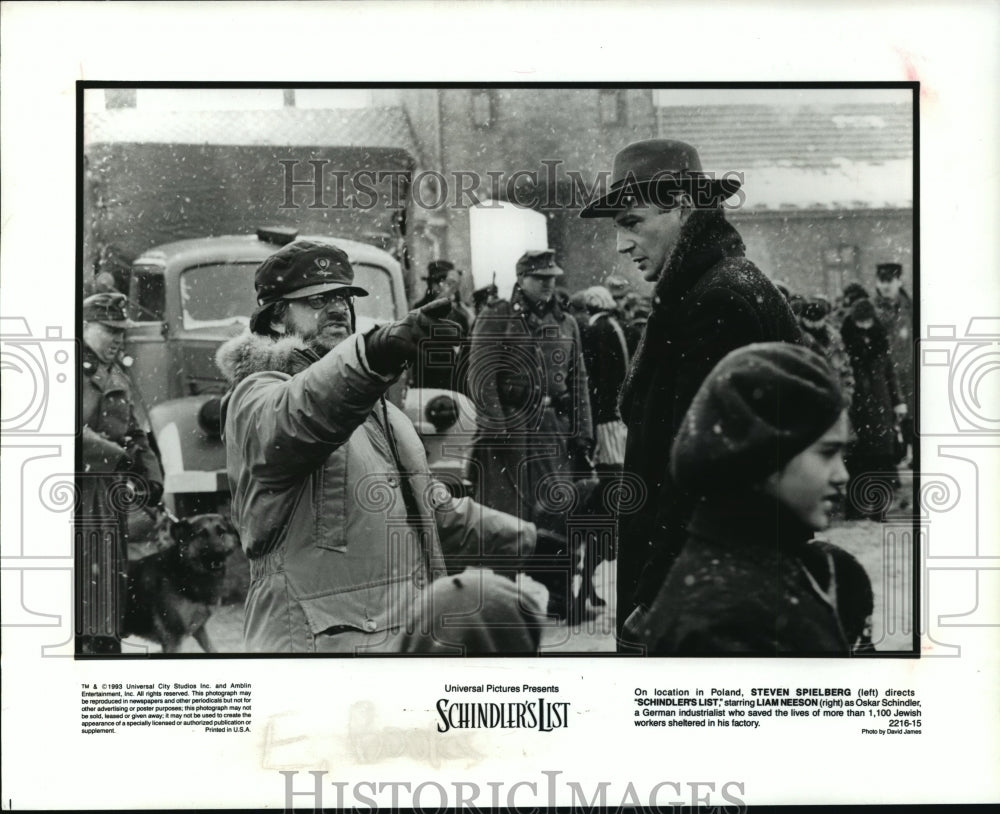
x: 413, y: 515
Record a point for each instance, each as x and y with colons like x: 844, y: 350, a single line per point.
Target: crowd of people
x: 731, y: 404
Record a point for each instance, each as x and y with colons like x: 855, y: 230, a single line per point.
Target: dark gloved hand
x: 155, y: 491
x: 147, y: 492
x: 390, y: 347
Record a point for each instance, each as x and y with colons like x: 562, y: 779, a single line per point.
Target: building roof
x: 371, y: 127
x: 836, y: 156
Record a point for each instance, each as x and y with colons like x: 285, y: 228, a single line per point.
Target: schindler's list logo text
x: 536, y: 713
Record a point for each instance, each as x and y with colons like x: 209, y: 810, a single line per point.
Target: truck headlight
x: 210, y: 417
x: 442, y: 412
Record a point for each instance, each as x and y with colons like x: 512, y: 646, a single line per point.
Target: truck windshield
x: 221, y: 294
x: 146, y: 294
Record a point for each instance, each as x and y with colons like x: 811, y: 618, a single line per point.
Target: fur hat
x: 862, y: 310
x: 854, y: 292
x: 759, y: 408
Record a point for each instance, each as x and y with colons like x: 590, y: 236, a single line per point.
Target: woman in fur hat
x: 762, y: 445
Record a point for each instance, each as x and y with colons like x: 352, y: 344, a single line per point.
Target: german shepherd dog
x: 171, y: 592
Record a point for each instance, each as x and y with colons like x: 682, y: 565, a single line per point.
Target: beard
x: 326, y: 338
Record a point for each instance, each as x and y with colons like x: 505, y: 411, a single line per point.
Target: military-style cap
x: 438, y: 270
x: 888, y: 271
x: 298, y: 270
x: 107, y: 308
x: 540, y: 263
x: 304, y: 268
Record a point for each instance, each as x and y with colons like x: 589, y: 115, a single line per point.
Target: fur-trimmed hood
x: 251, y: 353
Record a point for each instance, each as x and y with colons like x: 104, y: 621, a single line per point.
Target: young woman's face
x: 812, y: 483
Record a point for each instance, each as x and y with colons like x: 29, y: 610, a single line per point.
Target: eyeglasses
x: 336, y: 300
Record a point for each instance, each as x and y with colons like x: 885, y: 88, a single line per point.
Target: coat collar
x: 250, y: 353
x: 705, y: 239
x: 749, y: 520
x: 101, y: 375
x: 534, y: 311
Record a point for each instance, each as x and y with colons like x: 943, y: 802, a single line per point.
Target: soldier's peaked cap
x: 107, y: 308
x: 540, y: 263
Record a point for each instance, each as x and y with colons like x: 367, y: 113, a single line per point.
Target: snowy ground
x: 885, y: 553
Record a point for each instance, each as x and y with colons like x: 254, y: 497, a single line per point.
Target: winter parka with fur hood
x: 317, y: 459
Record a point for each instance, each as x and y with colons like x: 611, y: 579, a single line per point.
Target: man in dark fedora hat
x: 708, y: 300
x: 119, y: 469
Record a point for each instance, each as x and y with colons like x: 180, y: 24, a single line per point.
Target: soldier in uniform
x: 528, y: 381
x: 431, y: 369
x: 120, y: 470
x: 894, y: 310
x: 443, y: 281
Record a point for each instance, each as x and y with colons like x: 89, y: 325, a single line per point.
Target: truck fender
x: 191, y: 449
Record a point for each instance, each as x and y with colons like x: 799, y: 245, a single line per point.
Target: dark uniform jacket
x: 439, y: 362
x: 709, y: 300
x: 114, y: 447
x: 529, y: 384
x: 750, y: 581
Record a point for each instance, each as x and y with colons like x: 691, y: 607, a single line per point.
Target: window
x: 840, y: 266
x: 380, y: 304
x: 219, y: 295
x: 611, y: 106
x: 483, y: 108
x: 146, y: 294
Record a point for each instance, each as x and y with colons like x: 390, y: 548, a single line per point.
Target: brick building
x: 828, y: 175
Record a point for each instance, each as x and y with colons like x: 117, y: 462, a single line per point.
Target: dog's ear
x: 180, y: 530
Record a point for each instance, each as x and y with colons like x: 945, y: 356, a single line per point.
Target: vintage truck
x: 189, y: 296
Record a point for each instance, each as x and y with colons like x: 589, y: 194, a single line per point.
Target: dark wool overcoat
x: 896, y: 317
x: 875, y: 390
x: 750, y: 581
x: 709, y: 300
x: 529, y: 384
x: 605, y: 354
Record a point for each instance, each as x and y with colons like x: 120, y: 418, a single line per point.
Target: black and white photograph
x: 496, y: 405
x: 434, y: 370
